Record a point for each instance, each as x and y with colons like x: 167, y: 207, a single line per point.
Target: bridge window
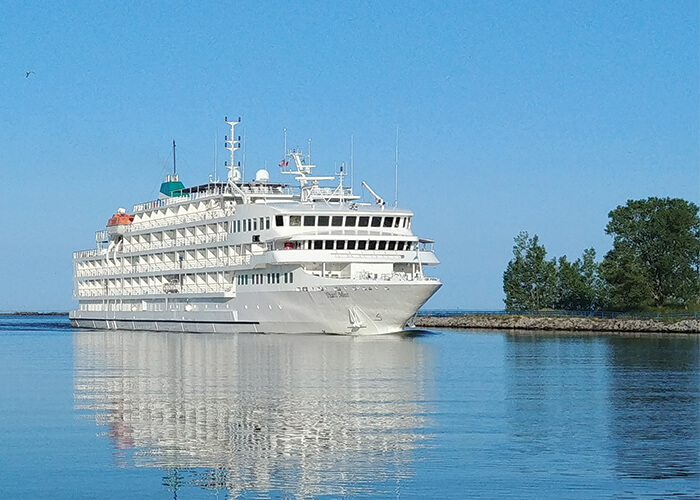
x: 388, y: 221
x: 376, y: 221
x: 350, y: 221
x: 340, y: 245
x: 329, y: 244
x: 372, y: 245
x: 295, y: 220
x: 337, y: 220
x: 323, y: 220
x: 363, y: 222
x: 279, y: 220
x: 382, y: 245
x: 309, y: 220
x: 392, y: 245
x: 351, y: 245
x: 318, y: 245
x: 361, y: 245
x: 397, y: 222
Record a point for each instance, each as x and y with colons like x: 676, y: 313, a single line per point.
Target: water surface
x: 453, y: 414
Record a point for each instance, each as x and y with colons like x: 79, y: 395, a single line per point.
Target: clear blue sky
x: 513, y: 116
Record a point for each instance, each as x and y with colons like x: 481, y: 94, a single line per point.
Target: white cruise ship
x: 255, y: 256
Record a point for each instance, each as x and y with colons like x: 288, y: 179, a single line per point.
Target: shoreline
x: 32, y: 313
x: 514, y: 322
x: 522, y: 322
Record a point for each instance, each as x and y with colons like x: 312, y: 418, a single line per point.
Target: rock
x: 515, y: 322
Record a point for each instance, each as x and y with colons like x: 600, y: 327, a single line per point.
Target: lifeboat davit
x: 119, y: 222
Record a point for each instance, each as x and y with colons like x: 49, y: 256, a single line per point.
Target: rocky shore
x: 513, y: 322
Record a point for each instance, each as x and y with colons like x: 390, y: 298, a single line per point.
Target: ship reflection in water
x: 303, y: 415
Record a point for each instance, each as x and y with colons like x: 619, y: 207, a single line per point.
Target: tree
x: 529, y: 280
x: 655, y: 259
x: 578, y: 285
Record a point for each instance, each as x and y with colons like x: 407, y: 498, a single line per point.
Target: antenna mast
x: 233, y: 144
x: 174, y: 169
x: 396, y: 170
x: 284, y: 153
x: 352, y: 168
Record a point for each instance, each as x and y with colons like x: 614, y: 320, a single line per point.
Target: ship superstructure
x: 256, y: 256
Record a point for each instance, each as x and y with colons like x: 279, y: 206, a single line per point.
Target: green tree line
x: 654, y: 263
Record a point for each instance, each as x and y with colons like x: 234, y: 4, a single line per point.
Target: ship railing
x: 158, y: 290
x: 367, y: 254
x: 149, y: 205
x: 101, y: 236
x: 189, y: 264
x: 396, y: 276
x: 176, y: 242
x: 93, y: 252
x: 177, y: 219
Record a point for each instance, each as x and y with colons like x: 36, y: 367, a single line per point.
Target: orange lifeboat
x: 120, y: 219
x: 118, y: 224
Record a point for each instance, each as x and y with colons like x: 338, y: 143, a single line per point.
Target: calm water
x: 435, y: 415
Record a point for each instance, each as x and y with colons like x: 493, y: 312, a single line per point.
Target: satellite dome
x: 262, y: 176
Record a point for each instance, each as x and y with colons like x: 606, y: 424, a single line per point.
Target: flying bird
x: 29, y: 73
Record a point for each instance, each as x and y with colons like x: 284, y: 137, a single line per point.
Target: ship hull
x: 368, y: 308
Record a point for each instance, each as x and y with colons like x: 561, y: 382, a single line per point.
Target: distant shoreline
x: 514, y: 322
x: 32, y: 313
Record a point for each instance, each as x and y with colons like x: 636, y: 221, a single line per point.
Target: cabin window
x: 255, y: 224
x: 323, y: 220
x: 268, y: 278
x: 361, y: 245
x: 285, y: 277
x: 363, y: 222
x: 277, y: 276
x: 291, y: 277
x: 351, y: 245
x: 337, y: 221
x: 350, y: 221
x: 245, y: 225
x: 392, y: 245
x: 382, y: 245
x: 388, y: 221
x: 340, y: 245
x: 267, y: 223
x: 309, y: 220
x: 372, y: 245
x: 295, y: 220
x: 376, y: 221
x: 318, y: 244
x: 279, y: 220
x: 256, y: 238
x: 329, y: 244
